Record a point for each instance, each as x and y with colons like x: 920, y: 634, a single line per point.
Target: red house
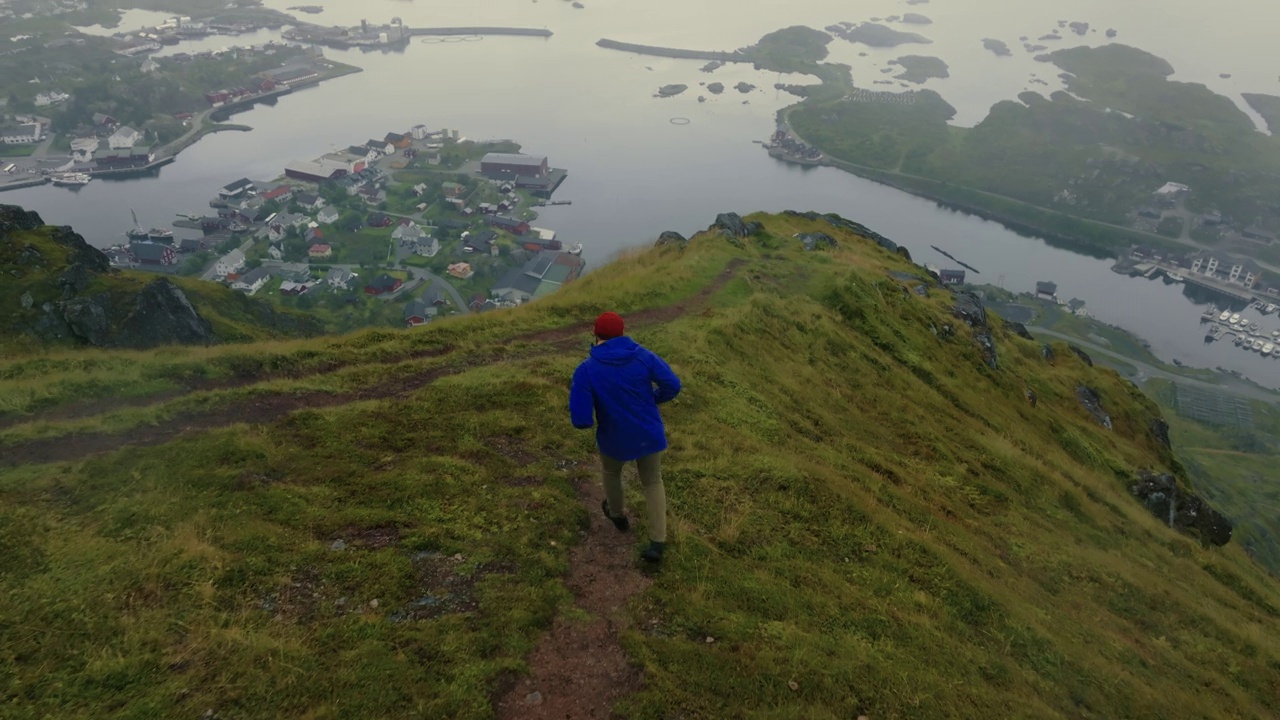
x: 146, y: 253
x: 383, y: 285
x: 510, y: 224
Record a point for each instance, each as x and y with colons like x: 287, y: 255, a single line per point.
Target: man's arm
x: 666, y: 380
x: 582, y: 404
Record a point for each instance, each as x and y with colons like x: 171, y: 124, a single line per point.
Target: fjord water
x: 633, y: 173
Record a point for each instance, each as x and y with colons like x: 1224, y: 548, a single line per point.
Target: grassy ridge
x: 859, y: 506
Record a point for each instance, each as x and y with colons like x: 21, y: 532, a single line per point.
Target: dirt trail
x: 578, y: 670
x: 269, y: 407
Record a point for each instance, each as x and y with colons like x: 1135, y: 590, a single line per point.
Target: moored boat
x: 161, y: 235
x: 72, y: 179
x: 1266, y: 349
x: 137, y: 234
x: 1175, y: 277
x: 1238, y: 341
x: 1257, y: 346
x: 1225, y: 316
x: 1235, y: 318
x: 575, y: 249
x: 1253, y: 327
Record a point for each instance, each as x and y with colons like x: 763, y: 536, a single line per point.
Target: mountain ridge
x: 883, y: 502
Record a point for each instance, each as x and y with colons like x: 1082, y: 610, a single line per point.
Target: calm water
x: 633, y: 173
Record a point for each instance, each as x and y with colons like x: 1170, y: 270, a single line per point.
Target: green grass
x: 16, y: 151
x: 857, y: 504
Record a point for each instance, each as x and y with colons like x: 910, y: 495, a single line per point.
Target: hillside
x: 883, y: 501
x: 59, y: 290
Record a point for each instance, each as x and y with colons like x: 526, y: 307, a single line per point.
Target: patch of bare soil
x: 578, y: 670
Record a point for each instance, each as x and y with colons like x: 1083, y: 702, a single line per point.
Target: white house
x: 124, y: 138
x: 427, y: 247
x: 339, y: 278
x: 328, y: 216
x: 408, y: 232
x: 419, y: 132
x: 252, y: 281
x: 232, y: 262
x: 53, y: 97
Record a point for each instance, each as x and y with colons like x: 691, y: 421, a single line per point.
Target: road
x: 1231, y: 385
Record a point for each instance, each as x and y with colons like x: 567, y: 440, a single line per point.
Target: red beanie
x: 609, y: 325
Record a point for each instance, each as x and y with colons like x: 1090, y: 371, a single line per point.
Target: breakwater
x: 673, y: 52
x: 531, y: 32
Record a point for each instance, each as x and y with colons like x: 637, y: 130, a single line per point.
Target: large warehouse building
x: 507, y: 164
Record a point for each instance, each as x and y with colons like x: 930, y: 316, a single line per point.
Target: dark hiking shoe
x: 621, y: 522
x: 653, y: 553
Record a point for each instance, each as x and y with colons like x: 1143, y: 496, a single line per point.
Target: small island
x: 672, y: 90
x: 715, y: 88
x: 920, y: 68
x: 999, y: 47
x: 916, y: 19
x: 876, y: 35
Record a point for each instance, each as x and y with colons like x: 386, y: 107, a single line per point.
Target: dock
x: 24, y: 183
x: 448, y: 31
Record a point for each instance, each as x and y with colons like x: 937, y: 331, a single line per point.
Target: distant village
x: 422, y: 216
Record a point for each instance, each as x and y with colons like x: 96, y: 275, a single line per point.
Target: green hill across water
x: 884, y: 502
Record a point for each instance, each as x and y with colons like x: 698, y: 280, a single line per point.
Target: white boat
x: 1266, y: 349
x: 72, y: 179
x: 1238, y: 341
x: 575, y: 249
x: 1174, y: 277
x: 1257, y: 346
x: 1270, y: 309
x: 1253, y: 327
x: 1235, y: 318
x: 1225, y: 316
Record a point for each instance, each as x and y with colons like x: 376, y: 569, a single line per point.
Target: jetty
x: 677, y: 53
x: 447, y: 31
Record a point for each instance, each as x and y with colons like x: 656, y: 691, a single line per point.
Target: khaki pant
x: 655, y: 496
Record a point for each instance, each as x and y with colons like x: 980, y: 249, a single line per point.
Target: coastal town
x: 424, y: 217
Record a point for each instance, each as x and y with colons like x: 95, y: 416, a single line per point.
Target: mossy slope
x: 866, y: 518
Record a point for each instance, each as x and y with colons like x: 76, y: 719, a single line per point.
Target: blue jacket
x: 617, y: 384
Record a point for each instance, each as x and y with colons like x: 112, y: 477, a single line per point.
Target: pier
x: 673, y: 52
x: 528, y: 32
x: 24, y: 183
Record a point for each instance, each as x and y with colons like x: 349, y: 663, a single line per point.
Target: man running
x: 622, y: 384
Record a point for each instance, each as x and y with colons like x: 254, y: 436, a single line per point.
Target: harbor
x: 1242, y: 332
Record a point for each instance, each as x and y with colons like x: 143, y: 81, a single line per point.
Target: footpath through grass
x: 865, y: 518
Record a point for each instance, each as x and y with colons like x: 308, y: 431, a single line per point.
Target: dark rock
x: 1160, y: 429
x: 74, y: 280
x: 82, y: 253
x: 27, y: 301
x: 1031, y: 397
x: 14, y: 218
x: 1046, y: 351
x: 970, y: 309
x: 162, y: 315
x: 1090, y: 400
x: 1082, y: 355
x: 670, y: 237
x: 818, y: 241
x: 920, y: 290
x: 31, y: 256
x: 50, y: 325
x: 87, y: 319
x: 732, y: 224
x: 1180, y: 509
x: 1021, y: 330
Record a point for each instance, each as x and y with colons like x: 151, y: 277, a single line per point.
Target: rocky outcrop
x: 162, y: 315
x: 1082, y: 355
x: 1020, y: 330
x: 970, y: 309
x: 857, y: 228
x: 1160, y: 430
x: 14, y: 218
x: 817, y: 241
x: 734, y: 226
x: 1090, y: 400
x: 87, y: 319
x: 1046, y: 352
x: 670, y: 237
x: 1181, y: 509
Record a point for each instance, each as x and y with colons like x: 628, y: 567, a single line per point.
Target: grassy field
x: 864, y: 516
